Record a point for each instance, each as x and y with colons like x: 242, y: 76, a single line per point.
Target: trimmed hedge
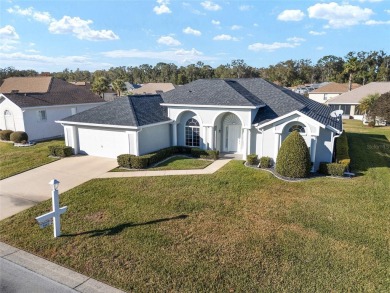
x: 293, y: 158
x: 142, y: 162
x: 124, y: 160
x: 60, y: 151
x: 252, y: 159
x: 265, y: 162
x: 334, y: 169
x: 19, y: 136
x: 342, y: 150
x: 5, y: 135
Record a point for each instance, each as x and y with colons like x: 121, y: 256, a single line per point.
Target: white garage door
x: 103, y: 143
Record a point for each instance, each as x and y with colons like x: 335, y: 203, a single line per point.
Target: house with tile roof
x: 330, y: 90
x: 349, y: 101
x: 152, y: 88
x: 240, y: 116
x: 32, y: 104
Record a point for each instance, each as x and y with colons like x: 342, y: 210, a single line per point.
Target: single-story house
x: 330, y: 90
x: 349, y: 101
x: 152, y: 88
x: 240, y: 116
x: 32, y: 104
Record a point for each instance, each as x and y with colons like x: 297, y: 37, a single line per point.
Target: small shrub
x: 252, y: 159
x: 19, y: 136
x: 60, y: 151
x: 293, y: 158
x: 265, y: 162
x: 5, y: 135
x: 211, y: 154
x: 124, y: 160
x: 342, y: 148
x: 141, y: 162
x: 333, y: 169
x: 197, y: 152
x: 371, y: 124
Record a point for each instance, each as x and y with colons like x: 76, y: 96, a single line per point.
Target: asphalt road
x: 17, y: 279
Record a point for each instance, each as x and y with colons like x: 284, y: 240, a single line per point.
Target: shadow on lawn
x: 368, y: 151
x: 119, y: 228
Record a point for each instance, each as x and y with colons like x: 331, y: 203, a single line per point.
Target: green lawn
x: 238, y: 230
x: 174, y: 163
x: 14, y: 160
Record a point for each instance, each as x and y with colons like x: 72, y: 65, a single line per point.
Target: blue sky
x: 90, y: 35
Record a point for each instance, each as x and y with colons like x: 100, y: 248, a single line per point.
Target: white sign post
x: 54, y: 216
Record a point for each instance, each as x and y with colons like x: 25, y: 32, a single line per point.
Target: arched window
x: 192, y: 133
x: 7, y: 113
x: 298, y: 128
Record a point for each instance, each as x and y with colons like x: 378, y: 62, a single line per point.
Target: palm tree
x: 119, y: 86
x: 366, y: 104
x: 100, y: 85
x: 351, y: 67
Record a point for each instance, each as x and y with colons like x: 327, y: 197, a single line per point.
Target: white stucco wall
x: 37, y: 129
x: 322, y: 97
x: 154, y: 138
x: 16, y: 118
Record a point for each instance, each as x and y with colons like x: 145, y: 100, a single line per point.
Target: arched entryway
x: 231, y: 133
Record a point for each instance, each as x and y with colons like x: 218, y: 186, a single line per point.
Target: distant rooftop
x: 36, y: 84
x: 153, y: 88
x: 355, y: 96
x: 335, y: 88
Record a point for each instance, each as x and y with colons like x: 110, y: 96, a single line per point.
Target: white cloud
x: 291, y: 43
x: 215, y: 22
x: 80, y: 29
x: 9, y: 38
x: 320, y: 48
x: 291, y: 15
x: 245, y: 7
x: 209, y: 5
x: 76, y: 26
x: 314, y: 33
x: 162, y: 7
x: 180, y: 55
x: 377, y: 22
x: 191, y: 31
x: 168, y: 41
x: 43, y: 17
x: 372, y: 1
x: 224, y: 37
x: 8, y: 33
x: 339, y: 16
x: 255, y: 25
x: 236, y: 27
x: 387, y: 11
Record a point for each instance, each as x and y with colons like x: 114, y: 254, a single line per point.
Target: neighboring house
x: 32, y: 104
x: 152, y: 88
x: 330, y: 90
x: 240, y: 116
x: 348, y: 102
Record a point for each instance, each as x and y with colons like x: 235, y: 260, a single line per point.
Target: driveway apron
x: 24, y: 190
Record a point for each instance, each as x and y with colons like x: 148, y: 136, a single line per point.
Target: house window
x: 7, y: 113
x: 298, y: 128
x: 42, y: 115
x: 192, y: 133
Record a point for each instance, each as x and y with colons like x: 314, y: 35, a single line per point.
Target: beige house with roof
x: 330, y: 91
x: 153, y: 88
x: 349, y: 101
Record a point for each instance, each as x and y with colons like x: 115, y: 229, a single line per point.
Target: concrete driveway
x: 24, y: 190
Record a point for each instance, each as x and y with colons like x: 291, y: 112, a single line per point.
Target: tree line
x: 359, y: 67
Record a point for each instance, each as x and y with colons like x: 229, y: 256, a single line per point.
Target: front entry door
x: 233, y: 137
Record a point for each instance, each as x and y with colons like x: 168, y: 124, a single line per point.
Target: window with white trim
x: 42, y: 115
x: 298, y: 128
x: 192, y: 133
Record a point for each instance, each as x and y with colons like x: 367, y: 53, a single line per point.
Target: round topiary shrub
x: 293, y: 158
x: 19, y: 136
x: 5, y: 134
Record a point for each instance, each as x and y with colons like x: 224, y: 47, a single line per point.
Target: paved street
x: 24, y: 190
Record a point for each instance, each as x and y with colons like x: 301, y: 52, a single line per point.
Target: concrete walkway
x: 43, y: 268
x: 24, y: 190
x: 210, y: 169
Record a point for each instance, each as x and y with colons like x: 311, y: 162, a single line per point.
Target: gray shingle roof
x: 125, y: 111
x: 59, y: 92
x: 216, y: 92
